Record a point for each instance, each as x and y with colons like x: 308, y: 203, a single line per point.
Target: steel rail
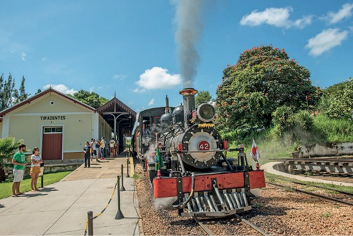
x: 207, y: 231
x: 313, y: 194
x: 252, y: 225
x: 317, y: 186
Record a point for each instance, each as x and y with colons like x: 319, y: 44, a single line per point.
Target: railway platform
x: 61, y: 208
x: 269, y: 168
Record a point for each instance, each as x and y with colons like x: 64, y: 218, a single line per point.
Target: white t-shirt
x: 111, y: 143
x: 94, y: 146
x: 36, y: 158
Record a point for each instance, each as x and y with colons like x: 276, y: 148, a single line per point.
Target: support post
x: 90, y: 223
x: 119, y: 214
x: 42, y: 181
x: 127, y: 168
x: 122, y: 178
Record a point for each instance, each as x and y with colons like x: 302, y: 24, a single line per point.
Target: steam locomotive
x: 195, y: 166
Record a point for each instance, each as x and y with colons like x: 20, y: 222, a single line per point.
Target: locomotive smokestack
x: 188, y: 103
x: 167, y: 108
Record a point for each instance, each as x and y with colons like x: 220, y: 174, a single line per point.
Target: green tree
x: 8, y: 147
x: 203, y: 97
x: 7, y: 92
x: 338, y: 103
x: 21, y: 95
x: 263, y: 79
x: 90, y: 98
x: 38, y: 91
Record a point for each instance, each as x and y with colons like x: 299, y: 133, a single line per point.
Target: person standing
x: 36, y: 160
x: 19, y: 162
x: 116, y: 153
x: 87, y: 153
x: 111, y: 146
x: 95, y: 148
x: 102, y: 148
x: 91, y: 150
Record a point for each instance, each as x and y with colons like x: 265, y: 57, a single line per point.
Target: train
x: 185, y: 157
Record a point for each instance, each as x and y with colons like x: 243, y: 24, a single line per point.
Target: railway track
x: 210, y: 233
x: 333, y: 166
x: 313, y: 194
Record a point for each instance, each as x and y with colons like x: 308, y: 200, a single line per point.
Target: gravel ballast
x: 276, y: 211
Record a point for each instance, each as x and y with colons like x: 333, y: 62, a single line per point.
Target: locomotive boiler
x: 195, y: 167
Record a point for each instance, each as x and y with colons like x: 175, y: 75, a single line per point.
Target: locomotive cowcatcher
x: 185, y: 157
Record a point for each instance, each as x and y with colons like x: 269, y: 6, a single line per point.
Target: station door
x: 52, y: 143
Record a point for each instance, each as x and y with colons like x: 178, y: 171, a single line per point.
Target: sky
x: 136, y: 48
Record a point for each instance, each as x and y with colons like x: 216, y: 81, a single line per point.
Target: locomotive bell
x: 188, y: 102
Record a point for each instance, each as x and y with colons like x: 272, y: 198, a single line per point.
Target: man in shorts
x: 18, y: 161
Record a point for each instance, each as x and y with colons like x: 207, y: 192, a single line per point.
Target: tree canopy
x: 337, y: 102
x: 90, y: 98
x: 263, y: 79
x: 9, y: 94
x: 203, y: 97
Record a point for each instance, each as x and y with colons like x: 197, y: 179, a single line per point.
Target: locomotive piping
x: 191, y: 192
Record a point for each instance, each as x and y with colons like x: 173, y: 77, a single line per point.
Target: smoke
x: 189, y: 29
x: 164, y: 203
x: 149, y: 155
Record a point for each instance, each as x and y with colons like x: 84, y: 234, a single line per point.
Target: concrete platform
x: 61, y: 208
x: 268, y: 167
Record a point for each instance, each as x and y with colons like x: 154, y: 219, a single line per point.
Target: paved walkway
x: 268, y: 167
x: 61, y: 208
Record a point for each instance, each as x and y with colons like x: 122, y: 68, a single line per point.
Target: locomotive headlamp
x: 206, y: 112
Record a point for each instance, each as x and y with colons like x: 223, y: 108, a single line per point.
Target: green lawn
x: 285, y: 180
x: 6, y: 187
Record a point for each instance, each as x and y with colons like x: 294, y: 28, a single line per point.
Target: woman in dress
x: 36, y: 160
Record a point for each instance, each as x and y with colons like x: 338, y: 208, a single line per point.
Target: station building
x: 60, y: 125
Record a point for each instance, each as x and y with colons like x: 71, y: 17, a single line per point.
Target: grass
x: 326, y: 215
x: 6, y: 187
x: 325, y: 130
x: 136, y: 176
x: 334, y: 130
x: 280, y: 179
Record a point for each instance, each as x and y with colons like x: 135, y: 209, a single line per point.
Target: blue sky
x: 129, y: 46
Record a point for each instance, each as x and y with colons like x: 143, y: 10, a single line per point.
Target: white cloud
x: 158, y: 78
x: 61, y: 88
x: 151, y: 102
x: 344, y: 12
x: 302, y: 22
x: 44, y: 59
x: 137, y: 90
x: 278, y: 17
x: 91, y: 89
x: 119, y: 77
x: 23, y: 56
x: 326, y: 40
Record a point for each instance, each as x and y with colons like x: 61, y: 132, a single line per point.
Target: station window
x: 53, y: 130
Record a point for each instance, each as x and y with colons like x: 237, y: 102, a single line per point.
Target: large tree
x: 203, y: 97
x: 90, y: 98
x: 263, y: 79
x: 9, y: 94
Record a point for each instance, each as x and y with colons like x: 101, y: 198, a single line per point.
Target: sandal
x: 14, y: 195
